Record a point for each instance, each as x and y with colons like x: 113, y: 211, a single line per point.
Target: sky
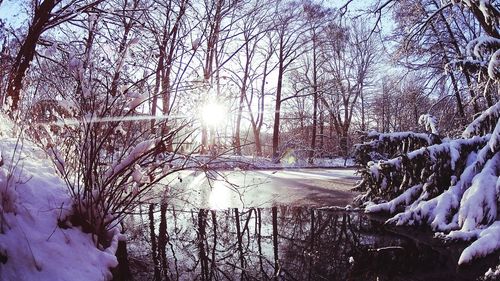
x: 13, y: 13
x: 10, y: 12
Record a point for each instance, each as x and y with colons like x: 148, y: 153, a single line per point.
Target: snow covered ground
x: 34, y: 245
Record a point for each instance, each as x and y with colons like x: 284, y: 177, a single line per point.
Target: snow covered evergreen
x: 452, y: 186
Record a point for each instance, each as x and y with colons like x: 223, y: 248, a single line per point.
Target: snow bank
x: 33, y: 200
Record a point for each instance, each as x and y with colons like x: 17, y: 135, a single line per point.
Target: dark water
x: 287, y: 243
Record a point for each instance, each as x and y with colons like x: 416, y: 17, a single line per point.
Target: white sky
x: 11, y: 12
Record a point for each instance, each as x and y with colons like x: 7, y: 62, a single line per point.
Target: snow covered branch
x: 383, y: 146
x: 484, y: 123
x: 451, y: 186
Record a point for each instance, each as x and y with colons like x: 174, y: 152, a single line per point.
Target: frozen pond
x: 261, y: 188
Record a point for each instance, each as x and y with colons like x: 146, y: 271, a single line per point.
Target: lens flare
x: 213, y: 114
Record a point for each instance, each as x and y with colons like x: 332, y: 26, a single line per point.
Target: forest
x: 118, y: 95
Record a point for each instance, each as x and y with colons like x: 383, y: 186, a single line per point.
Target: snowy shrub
x: 431, y: 166
x: 109, y: 175
x: 109, y: 159
x: 35, y: 244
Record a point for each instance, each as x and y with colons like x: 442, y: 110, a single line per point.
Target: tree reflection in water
x: 280, y: 243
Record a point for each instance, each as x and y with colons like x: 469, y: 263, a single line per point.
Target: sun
x: 213, y: 114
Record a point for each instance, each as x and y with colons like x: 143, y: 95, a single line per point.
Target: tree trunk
x: 311, y: 244
x: 315, y: 105
x: 169, y: 59
x: 321, y: 129
x: 258, y: 144
x: 212, y: 39
x: 213, y: 265
x: 122, y: 271
x: 277, y: 107
x: 122, y: 48
x: 202, y: 236
x: 237, y: 138
x: 27, y: 52
x: 239, y: 239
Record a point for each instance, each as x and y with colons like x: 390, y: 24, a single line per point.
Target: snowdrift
x: 37, y: 242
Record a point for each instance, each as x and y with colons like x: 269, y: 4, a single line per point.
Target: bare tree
x: 253, y: 31
x: 289, y: 29
x: 350, y: 68
x: 44, y: 18
x: 317, y: 18
x: 165, y: 23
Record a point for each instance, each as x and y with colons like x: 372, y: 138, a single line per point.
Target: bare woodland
x: 114, y: 91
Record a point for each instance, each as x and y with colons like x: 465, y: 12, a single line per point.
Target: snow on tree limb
x: 487, y: 243
x: 405, y: 198
x: 427, y: 164
x: 494, y: 142
x: 429, y: 122
x: 494, y: 65
x: 457, y: 188
x: 451, y: 185
x: 139, y: 150
x: 383, y: 146
x: 483, y: 44
x: 484, y: 123
x: 481, y: 193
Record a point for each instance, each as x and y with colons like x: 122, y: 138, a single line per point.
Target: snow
x: 493, y: 273
x: 351, y: 260
x: 436, y: 211
x: 234, y: 162
x: 195, y: 44
x: 74, y: 64
x: 391, y: 206
x: 475, y: 127
x: 395, y: 136
x: 481, y: 193
x: 50, y: 51
x: 33, y: 200
x: 138, y: 175
x: 140, y: 149
x: 468, y: 207
x: 429, y: 122
x: 477, y: 46
x: 494, y: 65
x: 483, y: 7
x: 494, y: 142
x: 135, y: 99
x: 487, y: 243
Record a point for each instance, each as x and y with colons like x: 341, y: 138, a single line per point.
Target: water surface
x: 287, y: 243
